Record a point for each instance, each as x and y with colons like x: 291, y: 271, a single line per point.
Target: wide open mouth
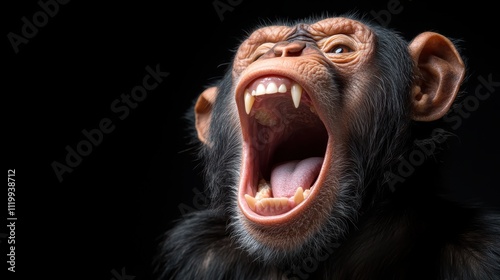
x: 285, y: 144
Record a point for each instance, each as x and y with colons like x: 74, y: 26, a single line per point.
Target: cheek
x: 359, y: 94
x: 239, y: 66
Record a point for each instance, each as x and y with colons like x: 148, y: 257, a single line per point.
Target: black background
x: 105, y: 217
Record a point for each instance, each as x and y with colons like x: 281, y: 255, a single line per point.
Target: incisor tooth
x: 296, y: 94
x: 271, y: 88
x: 282, y: 202
x: 249, y: 99
x: 299, y: 196
x: 276, y: 204
x: 250, y: 201
x: 260, y: 90
x: 282, y: 88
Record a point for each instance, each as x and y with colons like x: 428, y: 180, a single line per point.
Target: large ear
x: 203, y: 112
x: 441, y: 72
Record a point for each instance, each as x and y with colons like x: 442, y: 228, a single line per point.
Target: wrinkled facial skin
x: 303, y: 111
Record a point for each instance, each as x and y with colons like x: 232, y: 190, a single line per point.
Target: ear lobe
x: 203, y: 112
x: 440, y: 75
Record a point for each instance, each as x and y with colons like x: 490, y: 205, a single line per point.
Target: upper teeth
x: 249, y: 97
x: 296, y: 94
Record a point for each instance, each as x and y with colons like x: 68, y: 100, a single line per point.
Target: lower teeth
x: 265, y: 202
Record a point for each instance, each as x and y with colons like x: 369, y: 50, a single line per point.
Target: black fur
x: 410, y: 233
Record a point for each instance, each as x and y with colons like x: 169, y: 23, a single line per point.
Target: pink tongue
x: 288, y: 176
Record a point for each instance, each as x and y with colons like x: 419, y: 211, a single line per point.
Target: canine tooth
x: 249, y: 99
x: 299, y: 196
x: 261, y: 89
x: 250, y: 201
x: 296, y: 94
x: 282, y: 88
x: 271, y: 88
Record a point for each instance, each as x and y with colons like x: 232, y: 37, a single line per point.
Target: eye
x: 262, y: 50
x: 340, y: 49
x: 257, y: 56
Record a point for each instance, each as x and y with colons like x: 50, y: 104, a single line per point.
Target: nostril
x: 289, y: 48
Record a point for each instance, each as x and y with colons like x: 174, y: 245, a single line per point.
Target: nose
x: 294, y: 48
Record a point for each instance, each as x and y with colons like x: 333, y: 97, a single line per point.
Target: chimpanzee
x: 300, y: 142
